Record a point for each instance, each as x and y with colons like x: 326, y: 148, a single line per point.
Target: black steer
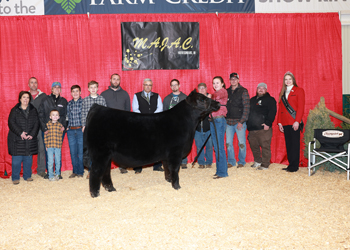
x: 134, y: 139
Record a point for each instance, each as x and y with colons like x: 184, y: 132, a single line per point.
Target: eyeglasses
x: 147, y: 85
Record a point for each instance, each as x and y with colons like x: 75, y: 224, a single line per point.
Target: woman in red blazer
x: 287, y: 124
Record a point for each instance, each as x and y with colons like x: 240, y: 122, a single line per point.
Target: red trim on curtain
x: 260, y: 47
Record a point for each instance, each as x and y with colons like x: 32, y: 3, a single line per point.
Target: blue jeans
x: 199, y: 138
x: 17, y: 165
x: 230, y: 132
x: 64, y: 133
x: 75, y: 140
x: 221, y: 163
x: 50, y: 153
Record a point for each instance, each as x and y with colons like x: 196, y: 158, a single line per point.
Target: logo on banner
x: 68, y: 5
x: 168, y: 45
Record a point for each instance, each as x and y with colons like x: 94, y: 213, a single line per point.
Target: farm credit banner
x: 164, y: 45
x: 65, y: 7
x: 58, y: 7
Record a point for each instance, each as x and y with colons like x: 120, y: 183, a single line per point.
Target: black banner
x: 165, y: 45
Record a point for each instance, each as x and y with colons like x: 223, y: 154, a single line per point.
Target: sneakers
x: 29, y: 179
x: 73, y: 175
x: 55, y: 178
x: 262, y: 168
x: 240, y: 166
x: 183, y: 166
x: 47, y: 176
x: 201, y: 166
x: 255, y: 165
x: 16, y: 182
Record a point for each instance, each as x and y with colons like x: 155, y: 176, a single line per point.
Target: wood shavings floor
x: 250, y: 209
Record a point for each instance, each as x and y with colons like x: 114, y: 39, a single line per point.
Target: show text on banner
x: 21, y: 7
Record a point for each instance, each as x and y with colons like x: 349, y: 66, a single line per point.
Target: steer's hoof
x: 168, y: 179
x: 94, y: 194
x: 110, y: 188
x: 176, y: 186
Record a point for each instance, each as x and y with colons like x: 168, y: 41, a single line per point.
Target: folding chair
x: 332, y: 141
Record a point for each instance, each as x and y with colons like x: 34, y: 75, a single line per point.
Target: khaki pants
x: 260, y: 144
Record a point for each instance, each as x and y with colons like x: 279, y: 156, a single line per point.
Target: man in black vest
x: 238, y: 105
x: 147, y: 102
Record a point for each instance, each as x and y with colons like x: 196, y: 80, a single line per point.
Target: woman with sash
x: 291, y: 105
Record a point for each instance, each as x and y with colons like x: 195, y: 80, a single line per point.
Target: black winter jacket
x: 262, y: 110
x: 49, y: 104
x: 18, y: 123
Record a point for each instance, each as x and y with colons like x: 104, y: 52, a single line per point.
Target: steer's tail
x: 86, y: 156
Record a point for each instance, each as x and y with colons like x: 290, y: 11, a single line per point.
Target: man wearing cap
x: 53, y: 101
x: 261, y: 116
x: 38, y: 97
x: 117, y: 98
x: 237, y: 115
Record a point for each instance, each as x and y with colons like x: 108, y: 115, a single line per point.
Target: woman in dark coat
x: 22, y: 141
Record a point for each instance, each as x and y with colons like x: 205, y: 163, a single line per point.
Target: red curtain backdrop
x: 74, y: 49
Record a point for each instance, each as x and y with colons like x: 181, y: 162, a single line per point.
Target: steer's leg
x: 98, y: 168
x: 166, y: 171
x: 106, y: 179
x: 174, y: 167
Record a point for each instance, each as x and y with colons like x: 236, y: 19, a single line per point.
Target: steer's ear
x: 192, y: 98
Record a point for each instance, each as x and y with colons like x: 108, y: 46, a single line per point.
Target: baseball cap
x: 262, y: 84
x: 54, y: 84
x: 234, y: 75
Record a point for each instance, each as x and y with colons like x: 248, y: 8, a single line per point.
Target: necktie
x: 147, y: 97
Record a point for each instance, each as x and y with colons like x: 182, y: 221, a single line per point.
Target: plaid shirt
x: 87, y: 103
x: 53, y: 139
x: 246, y: 109
x: 74, y: 112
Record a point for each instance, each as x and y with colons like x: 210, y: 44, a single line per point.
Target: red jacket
x: 221, y: 97
x: 296, y: 99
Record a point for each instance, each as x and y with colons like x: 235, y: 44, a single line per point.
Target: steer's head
x: 202, y: 103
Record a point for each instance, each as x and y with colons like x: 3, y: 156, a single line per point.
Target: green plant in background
x: 346, y: 112
x: 318, y: 118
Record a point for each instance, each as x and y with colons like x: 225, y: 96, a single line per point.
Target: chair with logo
x: 332, y: 149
